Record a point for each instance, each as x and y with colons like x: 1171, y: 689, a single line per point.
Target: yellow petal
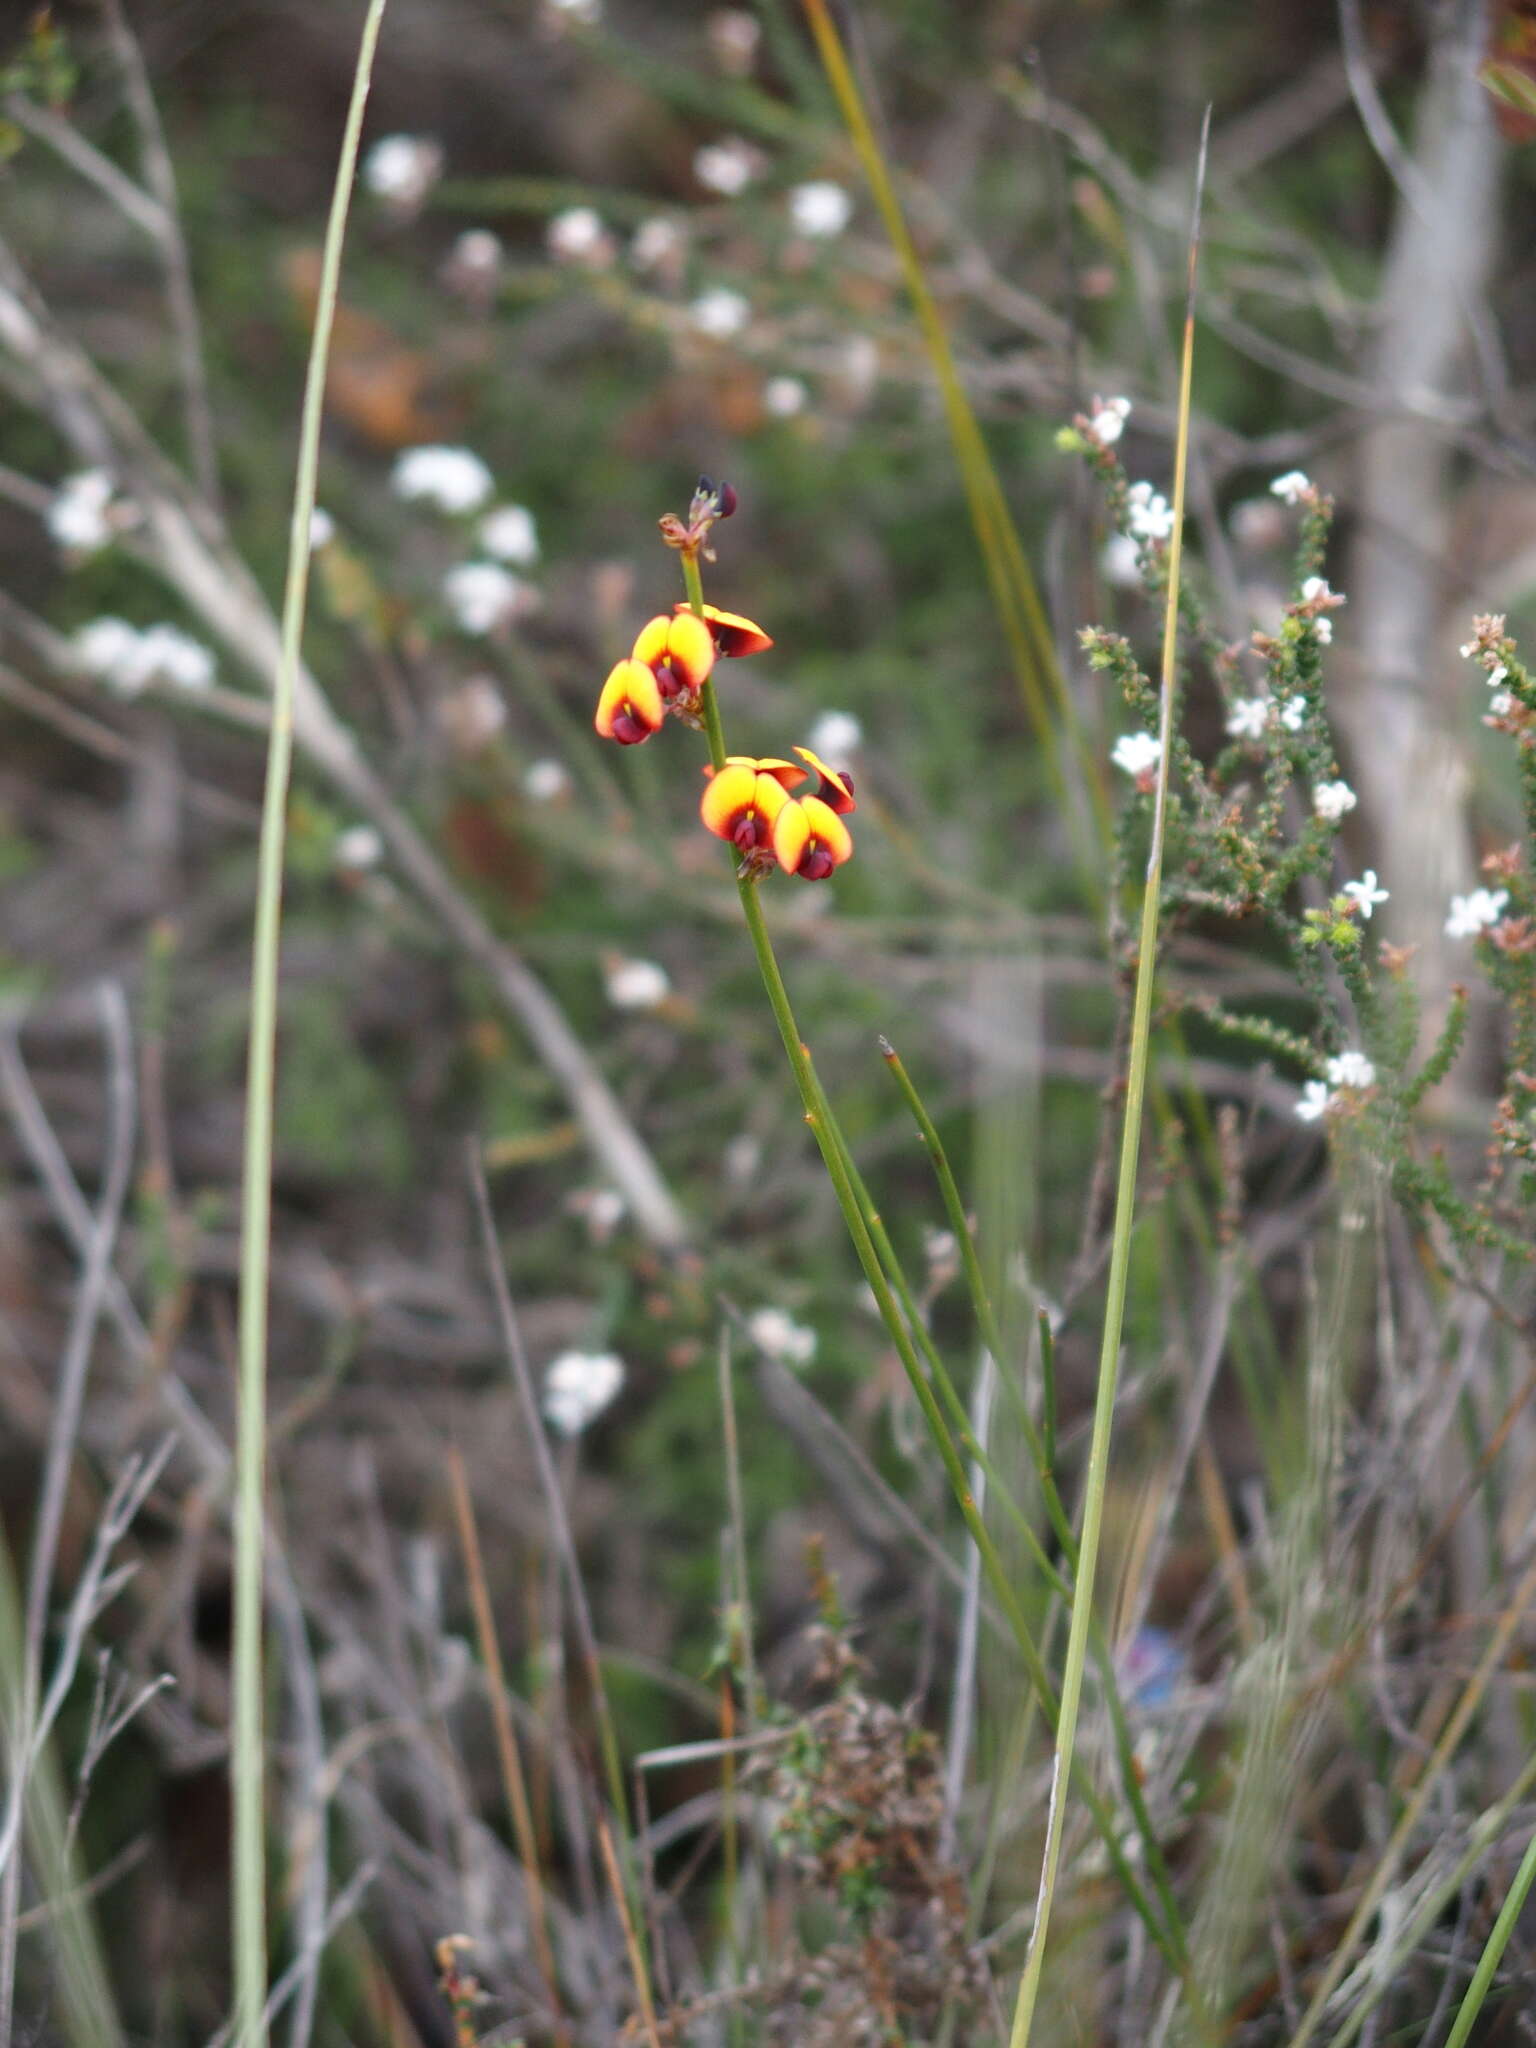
x: 809, y: 838
x: 770, y: 796
x: 690, y: 650
x: 828, y: 829
x: 791, y: 835
x: 651, y: 641
x: 733, y: 634
x: 784, y: 773
x: 837, y: 789
x: 728, y: 797
x: 629, y: 709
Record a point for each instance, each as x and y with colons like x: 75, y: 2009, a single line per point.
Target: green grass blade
x: 1019, y: 608
x: 248, y: 1875
x: 1498, y: 1941
x: 1125, y: 1205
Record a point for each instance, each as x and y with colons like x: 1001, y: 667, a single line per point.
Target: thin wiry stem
x: 560, y: 1530
x: 1125, y: 1203
x: 981, y: 1302
x: 1391, y: 1857
x: 513, y: 1779
x: 69, y: 1399
x: 246, y: 1764
x: 181, y: 300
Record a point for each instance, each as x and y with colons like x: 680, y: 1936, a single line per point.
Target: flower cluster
x: 761, y: 807
x: 749, y: 804
x: 578, y: 1387
x: 401, y: 170
x: 1317, y: 600
x: 1476, y: 913
x: 85, y: 513
x: 1254, y: 833
x: 1512, y: 707
x: 128, y: 659
x: 483, y: 596
x: 1351, y: 1073
x: 1294, y: 488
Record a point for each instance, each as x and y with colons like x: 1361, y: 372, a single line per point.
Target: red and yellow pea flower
x: 680, y: 652
x: 749, y: 802
x: 668, y: 665
x: 742, y: 800
x: 733, y: 635
x: 630, y: 708
x: 809, y: 837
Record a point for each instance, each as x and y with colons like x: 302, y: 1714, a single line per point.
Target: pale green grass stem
x: 247, y: 1761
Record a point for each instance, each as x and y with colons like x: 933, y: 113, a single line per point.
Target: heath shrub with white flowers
x: 1255, y: 838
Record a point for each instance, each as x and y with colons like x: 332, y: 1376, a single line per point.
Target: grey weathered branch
x: 184, y: 542
x: 1406, y: 708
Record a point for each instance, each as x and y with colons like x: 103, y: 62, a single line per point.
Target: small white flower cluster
x: 719, y: 312
x: 577, y: 235
x: 1331, y: 800
x: 1365, y: 894
x: 81, y: 516
x: 1350, y: 1070
x: 1121, y: 561
x: 128, y: 660
x: 636, y: 984
x: 473, y: 713
x: 820, y: 209
x: 1138, y: 753
x: 473, y: 266
x: 734, y: 35
x: 728, y: 166
x: 578, y: 1387
x: 785, y: 397
x: 511, y: 535
x: 1248, y: 718
x: 859, y: 369
x: 1315, y: 591
x: 1474, y: 914
x: 477, y: 252
x: 776, y: 1332
x: 544, y: 781
x: 1108, y: 421
x: 657, y: 244
x: 1150, y: 516
x: 1293, y: 487
x: 834, y: 736
x: 357, y: 849
x: 602, y: 1210
x: 483, y: 597
x: 452, y: 479
x: 1484, y: 650
x: 402, y: 169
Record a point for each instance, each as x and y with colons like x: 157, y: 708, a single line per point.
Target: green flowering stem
x: 857, y: 1215
x: 981, y: 1301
